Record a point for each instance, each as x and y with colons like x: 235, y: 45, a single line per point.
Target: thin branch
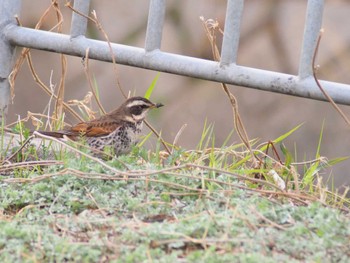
x: 25, y: 54
x: 99, y: 27
x: 26, y: 164
x: 46, y: 89
x: 115, y: 171
x: 210, y: 27
x: 87, y: 74
x: 314, y: 71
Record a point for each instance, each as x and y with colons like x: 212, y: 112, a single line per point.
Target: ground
x: 163, y: 208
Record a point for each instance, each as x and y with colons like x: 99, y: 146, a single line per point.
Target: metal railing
x: 151, y: 56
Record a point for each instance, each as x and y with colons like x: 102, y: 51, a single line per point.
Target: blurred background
x: 271, y: 37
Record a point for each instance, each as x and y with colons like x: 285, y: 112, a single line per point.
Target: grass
x: 204, y: 205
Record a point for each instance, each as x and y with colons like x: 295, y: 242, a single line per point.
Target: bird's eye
x: 136, y: 110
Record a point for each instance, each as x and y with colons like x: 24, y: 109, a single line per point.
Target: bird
x: 119, y: 129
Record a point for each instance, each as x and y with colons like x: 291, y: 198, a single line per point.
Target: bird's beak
x: 158, y: 105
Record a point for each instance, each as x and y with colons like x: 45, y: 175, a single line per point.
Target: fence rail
x: 151, y: 56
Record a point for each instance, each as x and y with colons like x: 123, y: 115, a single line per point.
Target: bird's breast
x: 121, y: 139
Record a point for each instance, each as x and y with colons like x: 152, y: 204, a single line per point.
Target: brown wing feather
x: 95, y: 128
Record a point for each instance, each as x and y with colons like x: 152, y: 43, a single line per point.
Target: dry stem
x: 314, y: 71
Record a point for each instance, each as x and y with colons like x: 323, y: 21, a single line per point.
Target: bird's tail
x: 56, y: 134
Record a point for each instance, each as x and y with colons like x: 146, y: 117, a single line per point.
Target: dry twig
x: 314, y: 71
x: 211, y: 27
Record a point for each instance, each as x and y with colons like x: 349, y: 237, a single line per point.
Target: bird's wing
x: 95, y: 128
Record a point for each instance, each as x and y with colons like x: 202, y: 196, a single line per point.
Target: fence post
x: 9, y: 9
x: 155, y: 25
x: 312, y: 28
x: 231, y: 32
x: 79, y: 22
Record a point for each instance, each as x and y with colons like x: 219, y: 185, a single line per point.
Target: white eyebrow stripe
x: 137, y: 103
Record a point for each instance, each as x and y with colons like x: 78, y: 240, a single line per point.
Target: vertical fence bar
x: 155, y: 23
x: 79, y: 22
x: 313, y: 23
x: 231, y: 32
x: 8, y: 10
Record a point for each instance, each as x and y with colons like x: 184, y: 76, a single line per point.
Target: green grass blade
x: 319, y: 142
x: 310, y: 175
x: 337, y: 160
x: 288, y: 156
x: 227, y: 139
x: 141, y: 143
x: 282, y: 137
x: 151, y: 87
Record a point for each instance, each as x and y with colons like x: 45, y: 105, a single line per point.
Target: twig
x: 237, y: 121
x: 99, y: 27
x: 87, y: 74
x: 115, y: 171
x: 48, y: 118
x: 178, y: 134
x: 314, y: 71
x: 279, y: 227
x: 241, y: 177
x: 18, y: 150
x: 61, y: 88
x: 46, y: 89
x: 157, y: 135
x: 25, y: 54
x: 12, y: 166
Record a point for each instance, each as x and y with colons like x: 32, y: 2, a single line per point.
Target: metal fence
x: 151, y: 56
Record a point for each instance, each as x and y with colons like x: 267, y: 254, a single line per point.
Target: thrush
x: 119, y: 129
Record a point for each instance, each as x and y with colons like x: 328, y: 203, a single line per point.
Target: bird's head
x: 136, y: 108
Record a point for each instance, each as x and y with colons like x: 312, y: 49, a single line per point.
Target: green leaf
x: 282, y: 137
x: 151, y: 87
